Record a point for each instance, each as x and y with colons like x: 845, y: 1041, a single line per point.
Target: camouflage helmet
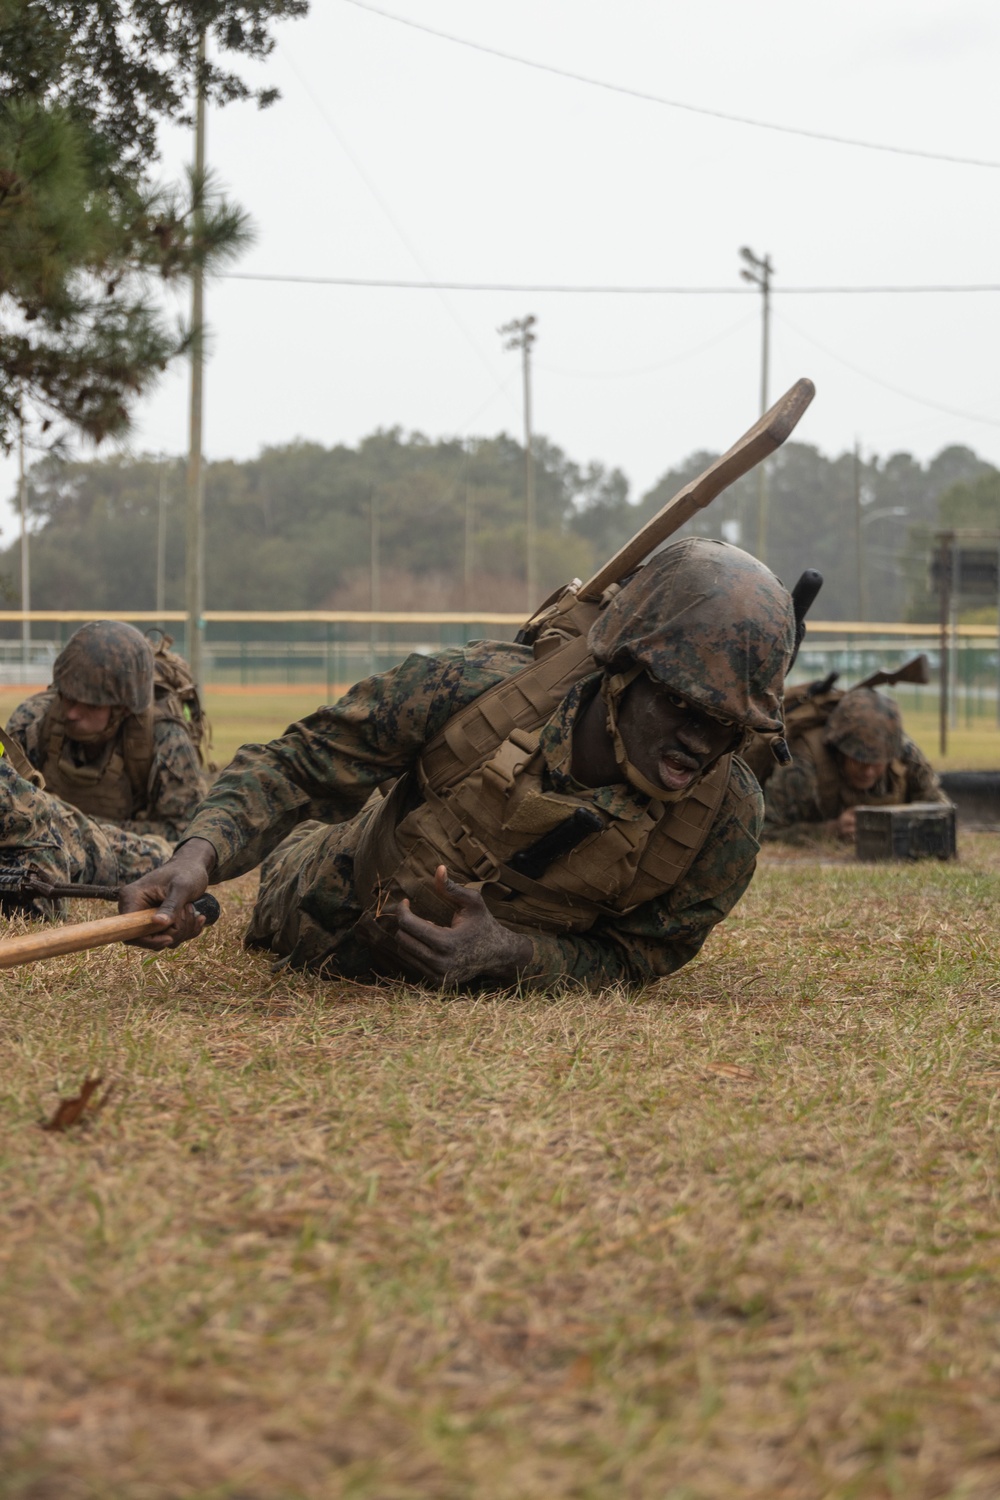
x: 106, y: 662
x: 866, y: 726
x: 709, y: 621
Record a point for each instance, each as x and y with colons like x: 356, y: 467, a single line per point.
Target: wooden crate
x: 917, y: 830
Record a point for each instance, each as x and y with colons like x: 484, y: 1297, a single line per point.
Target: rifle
x: 746, y: 453
x: 916, y: 670
x: 78, y: 937
x: 571, y: 610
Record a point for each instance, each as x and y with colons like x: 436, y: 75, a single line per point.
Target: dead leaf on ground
x: 732, y: 1070
x: 69, y: 1112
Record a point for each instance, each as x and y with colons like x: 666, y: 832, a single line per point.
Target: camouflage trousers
x: 307, y: 907
x: 64, y: 845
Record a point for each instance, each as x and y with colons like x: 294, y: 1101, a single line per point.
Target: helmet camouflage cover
x: 866, y: 726
x: 106, y: 662
x: 709, y: 621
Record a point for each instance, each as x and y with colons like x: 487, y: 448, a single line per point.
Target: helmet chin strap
x: 612, y: 691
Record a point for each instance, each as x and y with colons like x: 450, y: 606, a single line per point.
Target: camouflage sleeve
x: 25, y: 724
x: 327, y: 766
x: 922, y: 784
x: 176, y: 784
x: 661, y: 936
x: 791, y: 801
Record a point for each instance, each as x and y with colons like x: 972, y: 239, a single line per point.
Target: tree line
x: 408, y: 522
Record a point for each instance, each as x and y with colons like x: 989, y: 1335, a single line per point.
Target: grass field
x: 733, y: 1236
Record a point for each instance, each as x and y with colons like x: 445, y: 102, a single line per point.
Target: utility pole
x: 862, y: 602
x: 195, y: 528
x: 520, y: 335
x: 374, y: 575
x: 22, y: 496
x: 758, y: 272
x: 470, y: 537
x: 161, y: 541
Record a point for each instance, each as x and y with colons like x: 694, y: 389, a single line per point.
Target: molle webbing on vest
x: 523, y: 701
x: 111, y: 788
x: 480, y: 797
x: 832, y: 793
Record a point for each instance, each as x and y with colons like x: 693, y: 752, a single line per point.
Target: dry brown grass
x: 734, y: 1236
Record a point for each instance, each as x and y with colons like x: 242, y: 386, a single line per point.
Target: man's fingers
x: 415, y: 929
x: 459, y: 896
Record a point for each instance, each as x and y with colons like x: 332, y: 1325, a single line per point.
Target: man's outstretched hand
x: 475, y: 946
x: 172, y: 888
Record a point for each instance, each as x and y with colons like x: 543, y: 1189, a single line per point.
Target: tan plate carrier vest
x: 113, y: 787
x: 480, y: 797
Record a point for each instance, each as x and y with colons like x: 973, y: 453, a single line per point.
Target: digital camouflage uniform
x: 175, y: 784
x: 324, y: 770
x: 104, y: 663
x: 63, y: 845
x: 866, y: 726
x: 109, y: 663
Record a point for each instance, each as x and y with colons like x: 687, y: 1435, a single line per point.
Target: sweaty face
x: 861, y: 775
x: 84, y: 719
x: 669, y: 739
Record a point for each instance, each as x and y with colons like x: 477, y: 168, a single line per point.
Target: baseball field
x: 731, y: 1237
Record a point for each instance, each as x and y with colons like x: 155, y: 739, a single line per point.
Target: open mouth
x: 677, y: 771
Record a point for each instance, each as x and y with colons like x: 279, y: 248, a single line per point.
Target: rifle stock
x: 917, y: 670
x: 761, y: 440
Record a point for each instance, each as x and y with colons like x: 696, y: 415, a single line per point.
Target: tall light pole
x: 22, y: 496
x: 194, y: 584
x: 161, y: 538
x: 758, y: 271
x: 520, y: 335
x: 865, y: 518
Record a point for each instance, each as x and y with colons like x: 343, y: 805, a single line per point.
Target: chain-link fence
x: 332, y: 650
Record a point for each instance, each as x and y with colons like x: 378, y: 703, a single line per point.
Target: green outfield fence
x: 331, y: 649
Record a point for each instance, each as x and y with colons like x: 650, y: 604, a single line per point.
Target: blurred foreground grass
x: 733, y: 1236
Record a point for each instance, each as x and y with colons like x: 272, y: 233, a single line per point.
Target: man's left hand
x: 475, y: 945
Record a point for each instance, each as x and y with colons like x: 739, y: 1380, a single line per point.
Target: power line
x: 694, y: 109
x: 949, y: 411
x: 387, y: 211
x: 602, y: 290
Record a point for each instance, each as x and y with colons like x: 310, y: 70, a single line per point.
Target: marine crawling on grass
x: 848, y: 750
x: 536, y: 824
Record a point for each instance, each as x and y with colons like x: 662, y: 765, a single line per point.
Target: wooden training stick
x: 79, y: 936
x: 762, y: 439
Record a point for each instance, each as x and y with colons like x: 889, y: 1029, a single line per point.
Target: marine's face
x: 668, y: 739
x: 861, y: 775
x: 84, y: 719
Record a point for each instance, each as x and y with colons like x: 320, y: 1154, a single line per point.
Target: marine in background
x: 111, y: 738
x: 848, y: 751
x: 574, y: 811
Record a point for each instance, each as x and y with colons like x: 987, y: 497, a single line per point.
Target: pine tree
x: 84, y: 235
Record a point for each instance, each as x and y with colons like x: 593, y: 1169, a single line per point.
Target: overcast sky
x: 396, y: 154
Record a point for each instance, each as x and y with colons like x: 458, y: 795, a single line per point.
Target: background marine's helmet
x: 709, y: 621
x: 866, y: 726
x: 106, y: 662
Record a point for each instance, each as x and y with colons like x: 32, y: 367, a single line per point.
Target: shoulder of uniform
x: 502, y: 656
x: 911, y: 752
x: 744, y: 788
x: 168, y: 730
x: 35, y: 706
